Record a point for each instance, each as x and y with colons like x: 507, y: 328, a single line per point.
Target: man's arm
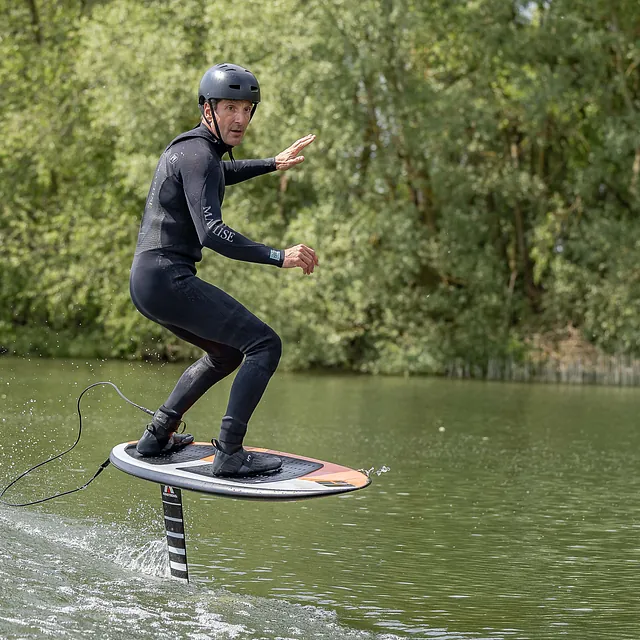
x: 242, y: 170
x: 201, y: 177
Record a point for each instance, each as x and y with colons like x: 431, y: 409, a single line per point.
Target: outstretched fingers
x: 289, y: 157
x: 300, y: 144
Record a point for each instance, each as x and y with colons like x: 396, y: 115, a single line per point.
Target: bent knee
x: 276, y: 348
x: 267, y: 350
x: 225, y: 363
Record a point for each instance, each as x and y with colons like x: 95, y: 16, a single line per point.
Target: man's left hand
x: 289, y: 157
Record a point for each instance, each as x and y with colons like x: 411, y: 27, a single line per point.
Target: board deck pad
x: 187, y: 454
x: 191, y: 468
x: 291, y: 468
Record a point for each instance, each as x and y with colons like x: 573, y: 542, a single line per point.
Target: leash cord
x: 101, y: 468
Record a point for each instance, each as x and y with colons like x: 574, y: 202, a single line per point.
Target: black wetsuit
x: 183, y: 214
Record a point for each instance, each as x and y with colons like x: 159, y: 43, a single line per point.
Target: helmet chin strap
x: 215, y: 124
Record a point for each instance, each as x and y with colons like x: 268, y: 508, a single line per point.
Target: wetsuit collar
x: 221, y: 147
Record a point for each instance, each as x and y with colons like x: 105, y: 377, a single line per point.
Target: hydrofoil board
x: 190, y: 468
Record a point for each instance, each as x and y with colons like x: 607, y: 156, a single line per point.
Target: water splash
x: 378, y: 472
x: 62, y: 587
x: 151, y: 558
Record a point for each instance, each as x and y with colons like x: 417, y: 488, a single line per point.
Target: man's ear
x: 208, y: 112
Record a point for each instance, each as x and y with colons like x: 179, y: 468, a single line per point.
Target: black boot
x: 160, y: 436
x: 242, y: 462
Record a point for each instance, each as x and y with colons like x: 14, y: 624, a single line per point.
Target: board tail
x: 174, y: 526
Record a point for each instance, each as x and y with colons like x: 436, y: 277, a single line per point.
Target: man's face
x: 233, y: 119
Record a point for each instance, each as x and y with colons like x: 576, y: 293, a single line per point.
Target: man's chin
x: 234, y: 141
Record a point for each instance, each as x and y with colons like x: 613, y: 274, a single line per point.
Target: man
x: 182, y: 215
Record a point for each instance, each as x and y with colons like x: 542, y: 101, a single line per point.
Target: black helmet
x: 228, y: 82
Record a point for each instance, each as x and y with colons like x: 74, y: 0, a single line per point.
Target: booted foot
x: 243, y: 462
x: 152, y: 445
x: 160, y: 436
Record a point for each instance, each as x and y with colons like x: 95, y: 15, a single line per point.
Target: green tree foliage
x: 475, y: 180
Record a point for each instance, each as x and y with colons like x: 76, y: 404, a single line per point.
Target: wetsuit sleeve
x: 242, y: 170
x: 201, y: 183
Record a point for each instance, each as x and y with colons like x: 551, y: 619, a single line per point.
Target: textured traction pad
x: 187, y: 454
x: 291, y: 467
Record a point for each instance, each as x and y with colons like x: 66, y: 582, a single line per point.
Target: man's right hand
x: 300, y: 256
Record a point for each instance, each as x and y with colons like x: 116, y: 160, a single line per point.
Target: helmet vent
x: 253, y: 87
x: 234, y: 86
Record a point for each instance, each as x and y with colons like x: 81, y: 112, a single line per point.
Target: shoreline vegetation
x: 473, y: 193
x: 570, y: 362
x: 619, y: 371
x: 564, y: 358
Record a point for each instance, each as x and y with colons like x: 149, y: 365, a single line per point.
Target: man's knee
x: 268, y: 350
x: 277, y: 349
x: 225, y: 363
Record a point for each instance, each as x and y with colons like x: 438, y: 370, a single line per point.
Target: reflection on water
x: 510, y: 511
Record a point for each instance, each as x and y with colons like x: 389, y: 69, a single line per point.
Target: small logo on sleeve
x: 275, y: 255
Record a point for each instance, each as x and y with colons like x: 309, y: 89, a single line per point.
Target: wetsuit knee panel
x: 267, y: 350
x: 225, y: 363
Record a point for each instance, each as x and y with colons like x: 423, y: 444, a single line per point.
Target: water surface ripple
x: 510, y: 511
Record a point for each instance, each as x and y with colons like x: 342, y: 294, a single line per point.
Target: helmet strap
x: 213, y: 119
x: 215, y: 124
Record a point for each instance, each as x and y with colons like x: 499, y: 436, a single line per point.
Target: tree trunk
x: 35, y: 20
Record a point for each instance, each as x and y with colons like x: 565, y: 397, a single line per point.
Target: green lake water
x: 509, y: 511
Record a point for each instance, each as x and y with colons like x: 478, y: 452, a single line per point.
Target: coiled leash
x: 101, y: 468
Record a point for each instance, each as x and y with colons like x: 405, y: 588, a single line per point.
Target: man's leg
x: 195, y: 308
x: 219, y: 362
x: 205, y: 315
x: 261, y: 360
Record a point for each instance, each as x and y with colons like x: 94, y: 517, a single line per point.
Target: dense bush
x: 475, y: 180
